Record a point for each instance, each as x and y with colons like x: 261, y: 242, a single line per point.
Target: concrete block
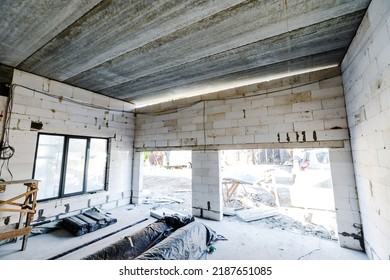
x: 189, y: 127
x: 336, y: 134
x: 381, y: 40
x: 327, y: 93
x: 100, y: 100
x: 20, y: 124
x: 271, y: 120
x: 249, y: 130
x: 291, y: 98
x: 77, y: 109
x: 83, y: 95
x: 234, y: 131
x: 174, y: 143
x: 110, y: 205
x: 210, y: 181
x: 309, y: 87
x: 351, y: 216
x: 239, y: 105
x: 347, y: 203
x: 18, y: 109
x: 223, y: 140
x: 298, y: 116
x: 114, y: 196
x: 329, y: 114
x: 343, y: 191
x: 263, y: 102
x: 61, y: 89
x: 205, y: 214
x: 123, y: 202
x: 39, y: 112
x: 284, y: 127
x: 32, y: 81
x: 249, y: 113
x: 383, y: 157
x: 383, y: 58
x: 221, y: 109
x: 189, y: 141
x: 248, y: 122
x: 266, y: 138
x: 308, y: 125
x: 222, y: 124
x: 98, y: 200
x: 307, y: 106
x: 216, y: 116
x: 331, y: 82
x: 334, y: 102
x: 244, y: 139
x: 279, y: 110
x: 335, y: 123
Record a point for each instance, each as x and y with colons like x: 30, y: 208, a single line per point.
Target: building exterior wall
x: 366, y: 78
x: 63, y: 109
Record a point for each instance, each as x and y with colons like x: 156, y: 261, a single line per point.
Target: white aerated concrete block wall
x: 300, y: 111
x: 366, y: 77
x: 207, y: 185
x: 138, y: 177
x: 306, y: 110
x: 349, y: 223
x: 63, y: 109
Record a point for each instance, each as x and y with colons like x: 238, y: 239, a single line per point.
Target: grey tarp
x: 135, y: 244
x: 190, y: 242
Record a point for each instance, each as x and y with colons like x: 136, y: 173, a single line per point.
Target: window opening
x: 70, y: 165
x: 167, y: 179
x: 293, y: 185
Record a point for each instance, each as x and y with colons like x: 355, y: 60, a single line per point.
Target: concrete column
x: 207, y: 199
x: 138, y: 178
x: 346, y: 199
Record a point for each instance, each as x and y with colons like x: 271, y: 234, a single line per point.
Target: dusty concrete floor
x: 249, y: 241
x: 283, y: 237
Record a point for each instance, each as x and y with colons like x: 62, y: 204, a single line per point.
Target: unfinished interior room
x: 235, y: 129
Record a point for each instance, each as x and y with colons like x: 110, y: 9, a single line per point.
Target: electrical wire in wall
x: 177, y: 109
x: 6, y: 150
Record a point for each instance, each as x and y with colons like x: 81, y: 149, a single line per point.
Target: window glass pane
x: 74, y: 178
x: 48, y: 165
x: 97, y: 164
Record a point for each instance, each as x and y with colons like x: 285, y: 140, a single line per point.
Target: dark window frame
x: 65, y: 161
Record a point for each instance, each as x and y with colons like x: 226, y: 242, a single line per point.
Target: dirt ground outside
x: 171, y: 188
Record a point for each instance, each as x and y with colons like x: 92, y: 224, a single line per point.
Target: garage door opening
x: 292, y: 188
x: 167, y: 179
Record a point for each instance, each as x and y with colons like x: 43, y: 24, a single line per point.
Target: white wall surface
x: 366, y: 78
x: 64, y: 109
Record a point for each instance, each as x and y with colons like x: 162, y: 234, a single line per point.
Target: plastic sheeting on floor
x: 133, y: 245
x: 190, y: 242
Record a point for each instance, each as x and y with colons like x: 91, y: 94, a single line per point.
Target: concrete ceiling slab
x: 154, y: 50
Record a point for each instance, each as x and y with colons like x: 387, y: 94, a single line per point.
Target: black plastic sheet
x: 190, y: 242
x: 135, y: 244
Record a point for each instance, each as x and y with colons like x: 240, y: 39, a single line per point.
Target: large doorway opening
x: 167, y: 179
x: 285, y: 188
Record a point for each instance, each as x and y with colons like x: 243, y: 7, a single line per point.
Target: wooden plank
x: 15, y: 233
x: 17, y: 210
x: 19, y: 182
x: 25, y: 194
